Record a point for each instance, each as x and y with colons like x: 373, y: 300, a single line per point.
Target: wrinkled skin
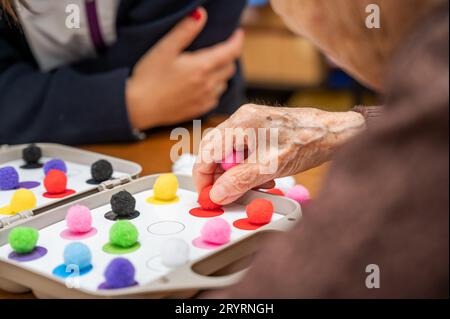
x: 307, y: 137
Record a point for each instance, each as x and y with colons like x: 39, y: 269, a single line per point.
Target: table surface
x: 153, y: 154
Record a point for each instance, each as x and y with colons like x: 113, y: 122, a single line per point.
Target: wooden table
x: 153, y: 155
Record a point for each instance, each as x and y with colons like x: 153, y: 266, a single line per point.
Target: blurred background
x: 284, y: 69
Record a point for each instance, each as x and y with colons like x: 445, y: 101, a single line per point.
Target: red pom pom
x: 205, y: 201
x: 275, y: 191
x: 260, y: 211
x: 55, y: 182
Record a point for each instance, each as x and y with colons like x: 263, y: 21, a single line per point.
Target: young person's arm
x: 63, y: 106
x: 87, y: 102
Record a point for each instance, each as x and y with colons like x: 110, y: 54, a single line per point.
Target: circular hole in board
x: 165, y: 228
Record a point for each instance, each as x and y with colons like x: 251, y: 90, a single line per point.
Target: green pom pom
x: 123, y: 234
x: 23, y: 239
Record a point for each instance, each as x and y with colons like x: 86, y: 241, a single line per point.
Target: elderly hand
x: 284, y: 142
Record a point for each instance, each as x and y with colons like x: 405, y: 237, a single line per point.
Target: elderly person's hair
x: 338, y: 27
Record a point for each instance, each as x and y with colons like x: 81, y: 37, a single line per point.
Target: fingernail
x: 196, y: 15
x: 218, y: 194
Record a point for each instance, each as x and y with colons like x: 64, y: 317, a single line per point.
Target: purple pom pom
x: 9, y: 178
x: 120, y: 274
x: 55, y: 164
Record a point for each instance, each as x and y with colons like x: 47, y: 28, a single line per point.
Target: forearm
x: 63, y: 106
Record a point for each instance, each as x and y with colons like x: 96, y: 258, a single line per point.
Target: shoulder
x: 420, y: 68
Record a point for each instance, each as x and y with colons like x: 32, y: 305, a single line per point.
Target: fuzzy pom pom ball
x: 299, y: 193
x: 120, y: 274
x: 32, y: 154
x: 77, y: 254
x: 55, y: 182
x: 79, y: 219
x: 184, y: 165
x: 101, y: 171
x: 260, y: 211
x: 23, y: 239
x: 216, y: 231
x: 9, y: 178
x: 123, y: 204
x: 205, y: 200
x: 23, y: 199
x: 174, y: 252
x: 123, y: 234
x: 55, y: 164
x: 166, y: 187
x: 232, y: 160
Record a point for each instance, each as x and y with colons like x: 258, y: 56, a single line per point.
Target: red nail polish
x: 196, y: 15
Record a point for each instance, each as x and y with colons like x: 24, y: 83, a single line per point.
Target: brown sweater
x: 385, y: 201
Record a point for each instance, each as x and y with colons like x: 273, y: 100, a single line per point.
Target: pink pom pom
x: 232, y: 160
x: 299, y: 193
x: 216, y: 231
x: 79, y: 219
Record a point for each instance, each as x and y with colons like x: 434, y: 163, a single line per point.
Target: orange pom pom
x: 260, y: 211
x: 205, y: 201
x: 55, y: 182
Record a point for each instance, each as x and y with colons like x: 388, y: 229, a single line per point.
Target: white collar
x: 53, y: 41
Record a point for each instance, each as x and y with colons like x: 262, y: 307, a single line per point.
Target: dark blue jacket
x: 84, y: 102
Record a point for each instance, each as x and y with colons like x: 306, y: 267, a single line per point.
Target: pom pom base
x: 199, y: 242
x: 66, y: 193
x: 61, y: 271
x: 6, y: 210
x: 25, y: 185
x: 32, y: 166
x: 113, y: 216
x: 155, y: 201
x: 275, y: 191
x: 116, y: 250
x: 94, y: 182
x: 203, y: 213
x: 36, y: 253
x: 245, y: 224
x: 69, y: 235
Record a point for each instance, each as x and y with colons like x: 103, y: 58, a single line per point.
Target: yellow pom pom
x: 23, y: 199
x: 166, y: 187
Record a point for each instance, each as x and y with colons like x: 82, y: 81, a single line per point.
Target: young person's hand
x: 305, y: 138
x: 169, y: 85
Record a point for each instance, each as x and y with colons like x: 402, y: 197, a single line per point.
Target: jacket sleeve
x: 63, y: 106
x: 371, y: 113
x: 85, y: 102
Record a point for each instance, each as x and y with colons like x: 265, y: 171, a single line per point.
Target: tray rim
x: 54, y: 287
x: 64, y: 152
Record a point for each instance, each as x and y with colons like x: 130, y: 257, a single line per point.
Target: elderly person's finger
x: 267, y: 185
x: 215, y: 146
x: 237, y: 181
x: 207, y: 163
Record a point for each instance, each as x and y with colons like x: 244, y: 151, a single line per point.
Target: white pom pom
x: 184, y: 164
x: 285, y: 183
x: 175, y: 253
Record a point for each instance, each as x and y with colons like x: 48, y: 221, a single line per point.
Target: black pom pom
x: 31, y: 154
x: 123, y: 204
x: 101, y: 171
